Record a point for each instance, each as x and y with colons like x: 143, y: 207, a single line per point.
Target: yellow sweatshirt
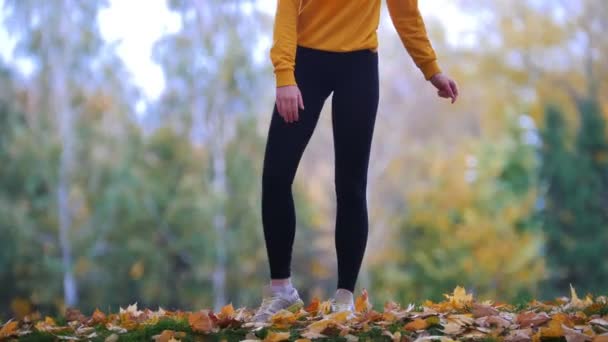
x: 345, y: 25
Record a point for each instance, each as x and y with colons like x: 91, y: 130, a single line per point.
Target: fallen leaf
x: 98, y: 316
x: 459, y: 298
x: 313, y: 307
x: 9, y: 328
x: 530, y: 318
x: 417, y: 324
x: 601, y: 338
x: 553, y: 329
x: 362, y: 302
x: 164, y: 336
x: 519, y: 335
x: 199, y: 321
x: 577, y: 302
x: 453, y: 328
x: 283, y: 319
x: 276, y: 336
x: 311, y: 335
x: 573, y: 335
x: 226, y: 312
x: 481, y: 310
x: 111, y: 338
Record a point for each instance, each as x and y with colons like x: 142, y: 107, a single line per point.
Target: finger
x: 300, y: 100
x: 290, y: 105
x: 449, y: 92
x: 454, y: 87
x: 294, y: 108
x: 284, y: 111
x: 280, y: 109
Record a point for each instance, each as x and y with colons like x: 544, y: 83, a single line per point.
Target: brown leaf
x: 573, y: 335
x: 481, y: 310
x: 530, y: 318
x: 519, y: 335
x: 73, y: 314
x: 417, y: 324
x: 200, y: 321
x: 601, y: 338
x: 493, y: 321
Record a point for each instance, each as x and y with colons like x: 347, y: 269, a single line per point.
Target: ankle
x: 280, y: 282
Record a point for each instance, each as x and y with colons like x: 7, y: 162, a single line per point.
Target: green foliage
x: 575, y: 192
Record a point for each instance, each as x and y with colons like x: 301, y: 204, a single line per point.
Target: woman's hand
x: 446, y: 87
x: 289, y: 99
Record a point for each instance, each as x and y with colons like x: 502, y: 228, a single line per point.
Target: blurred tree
x: 469, y: 223
x: 575, y: 193
x: 61, y: 48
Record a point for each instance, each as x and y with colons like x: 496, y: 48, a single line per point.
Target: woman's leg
x: 284, y: 148
x: 355, y: 102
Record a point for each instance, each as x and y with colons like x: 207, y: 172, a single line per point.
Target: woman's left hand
x: 446, y: 87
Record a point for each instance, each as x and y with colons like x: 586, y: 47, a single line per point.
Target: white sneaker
x: 341, y: 302
x: 274, y: 302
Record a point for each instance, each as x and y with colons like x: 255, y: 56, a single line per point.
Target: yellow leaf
x: 460, y: 297
x: 325, y: 307
x: 283, y: 319
x: 318, y: 326
x: 199, y: 321
x: 226, y: 312
x: 303, y: 340
x: 338, y: 317
x: 577, y: 302
x: 8, y: 329
x: 553, y: 329
x: 277, y: 337
x: 417, y: 324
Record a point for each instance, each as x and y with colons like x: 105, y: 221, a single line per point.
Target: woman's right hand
x: 288, y: 100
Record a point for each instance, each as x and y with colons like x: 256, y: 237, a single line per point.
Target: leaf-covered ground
x: 458, y: 318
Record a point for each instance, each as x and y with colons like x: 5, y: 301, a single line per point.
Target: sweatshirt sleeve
x: 283, y: 50
x: 412, y: 31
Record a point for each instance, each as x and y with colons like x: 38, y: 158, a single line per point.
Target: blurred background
x: 132, y: 135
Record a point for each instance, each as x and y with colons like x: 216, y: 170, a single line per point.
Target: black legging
x: 353, y: 78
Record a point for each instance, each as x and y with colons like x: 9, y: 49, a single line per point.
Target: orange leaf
x: 98, y: 316
x: 314, y: 306
x: 9, y: 328
x: 165, y: 336
x: 362, y: 302
x: 417, y: 324
x: 226, y: 312
x: 277, y: 337
x: 199, y: 321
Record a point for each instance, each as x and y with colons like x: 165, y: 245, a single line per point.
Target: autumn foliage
x: 459, y: 317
